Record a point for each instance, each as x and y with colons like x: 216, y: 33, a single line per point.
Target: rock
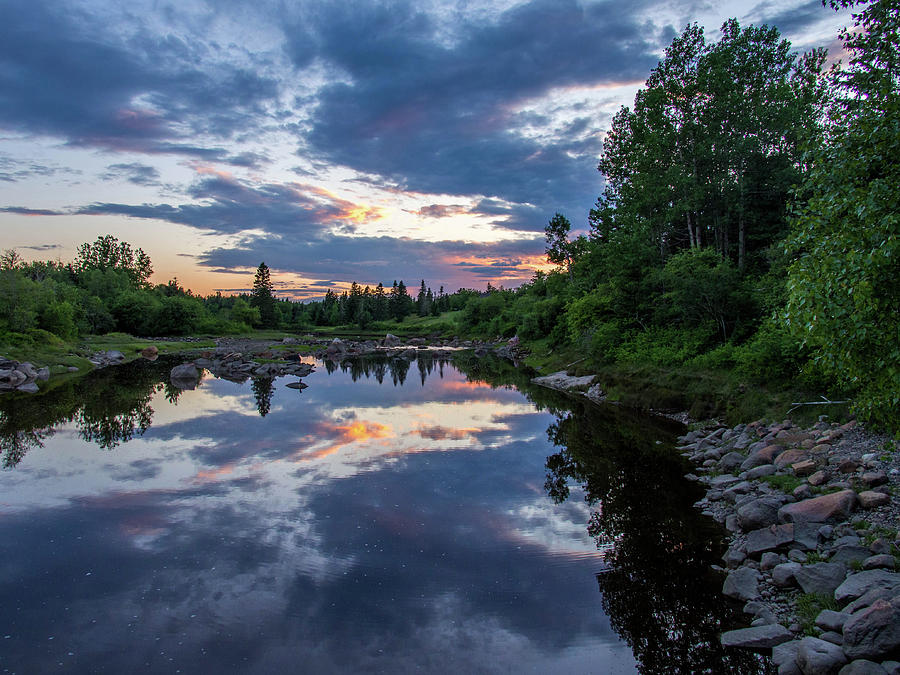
x: 760, y: 471
x: 43, y: 374
x: 784, y: 656
x: 832, y: 637
x: 835, y: 506
x: 783, y: 575
x: 730, y: 462
x: 828, y: 619
x: 891, y: 667
x: 874, y: 632
x: 150, y: 353
x: 28, y: 388
x: 765, y: 455
x: 880, y: 561
x: 289, y: 341
x: 818, y: 478
x: 862, y: 582
x: 770, y: 560
x: 296, y: 385
x: 390, y: 341
x: 733, y: 558
x: 758, y: 637
x: 742, y: 584
x: 789, y: 457
x: 818, y: 657
x: 758, y: 513
x: 862, y: 667
x: 769, y: 538
x: 848, y: 555
x: 820, y: 578
x: 848, y: 466
x: 804, y: 468
x: 721, y: 482
x: 185, y: 376
x: 871, y: 500
x: 874, y: 478
x: 802, y: 492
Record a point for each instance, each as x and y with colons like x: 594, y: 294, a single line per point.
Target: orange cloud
x: 348, y: 434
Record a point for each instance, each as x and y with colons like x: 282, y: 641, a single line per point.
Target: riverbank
x: 812, y: 514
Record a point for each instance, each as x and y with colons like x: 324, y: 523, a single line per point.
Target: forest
x: 748, y: 224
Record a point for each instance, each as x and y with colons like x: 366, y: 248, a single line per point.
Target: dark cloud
x: 22, y: 211
x: 435, y: 117
x: 66, y: 74
x: 229, y: 206
x: 793, y: 21
x: 135, y: 172
x: 43, y: 247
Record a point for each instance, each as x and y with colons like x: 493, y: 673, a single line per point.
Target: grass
x: 786, y: 483
x: 808, y: 607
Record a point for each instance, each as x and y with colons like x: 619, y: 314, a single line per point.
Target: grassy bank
x: 703, y: 393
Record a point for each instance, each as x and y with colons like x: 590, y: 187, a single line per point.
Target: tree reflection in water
x: 660, y: 592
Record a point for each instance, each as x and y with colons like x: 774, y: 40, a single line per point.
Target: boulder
x: 43, y: 374
x: 742, y: 584
x: 789, y: 457
x: 820, y: 578
x: 835, y: 506
x: 760, y: 471
x: 758, y: 637
x: 850, y: 554
x: 828, y: 619
x: 874, y: 478
x: 873, y: 632
x: 784, y: 575
x: 871, y: 500
x: 860, y: 583
x: 818, y: 657
x: 296, y: 385
x: 765, y: 455
x: 880, y: 561
x: 390, y: 341
x: 185, y: 376
x: 730, y: 462
x: 28, y: 388
x: 150, y: 353
x: 769, y: 538
x: 784, y: 656
x: 818, y: 478
x: 862, y: 667
x: 804, y: 468
x: 758, y: 513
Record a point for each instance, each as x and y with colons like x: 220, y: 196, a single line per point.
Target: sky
x: 362, y: 140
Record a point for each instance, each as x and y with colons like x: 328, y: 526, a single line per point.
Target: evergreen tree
x: 262, y: 297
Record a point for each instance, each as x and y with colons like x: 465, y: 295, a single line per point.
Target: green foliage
x: 108, y: 253
x: 785, y: 483
x: 844, y: 278
x: 808, y: 606
x: 262, y: 297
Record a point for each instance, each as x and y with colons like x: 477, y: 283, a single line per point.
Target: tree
x: 844, y: 279
x: 262, y: 297
x: 107, y: 252
x: 559, y: 249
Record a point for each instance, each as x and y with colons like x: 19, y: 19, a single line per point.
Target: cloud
x: 69, y: 74
x: 135, y: 172
x: 437, y: 117
x: 229, y: 206
x: 22, y: 211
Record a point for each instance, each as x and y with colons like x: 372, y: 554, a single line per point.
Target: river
x: 393, y: 517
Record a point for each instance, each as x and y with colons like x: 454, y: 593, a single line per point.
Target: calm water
x: 390, y: 518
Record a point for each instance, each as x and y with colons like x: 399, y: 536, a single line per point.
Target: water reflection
x: 376, y: 523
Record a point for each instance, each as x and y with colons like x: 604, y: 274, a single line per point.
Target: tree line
x: 748, y: 221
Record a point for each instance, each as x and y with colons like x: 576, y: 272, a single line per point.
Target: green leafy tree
x: 262, y: 297
x: 844, y: 281
x: 559, y: 248
x: 107, y: 252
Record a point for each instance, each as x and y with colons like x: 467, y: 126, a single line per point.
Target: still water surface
x: 390, y: 518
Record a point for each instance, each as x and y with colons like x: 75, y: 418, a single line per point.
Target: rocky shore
x: 812, y: 515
